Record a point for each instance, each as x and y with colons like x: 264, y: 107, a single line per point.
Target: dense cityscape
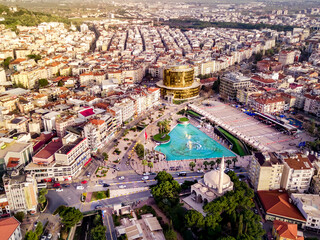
x: 159, y: 120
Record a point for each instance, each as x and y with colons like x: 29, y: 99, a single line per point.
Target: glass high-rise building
x: 179, y: 83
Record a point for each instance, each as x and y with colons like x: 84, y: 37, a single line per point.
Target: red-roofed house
x: 269, y: 104
x: 277, y: 206
x: 286, y: 231
x: 10, y: 229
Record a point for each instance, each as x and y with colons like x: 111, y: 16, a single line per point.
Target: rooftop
x: 298, y: 162
x: 311, y: 203
x: 287, y: 230
x: 8, y: 226
x: 276, y: 202
x: 50, y: 149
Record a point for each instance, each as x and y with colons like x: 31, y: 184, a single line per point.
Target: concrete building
x: 286, y: 231
x: 309, y: 206
x: 297, y: 172
x: 231, y: 83
x: 21, y: 191
x: 10, y: 229
x: 286, y: 57
x: 265, y: 171
x: 269, y: 104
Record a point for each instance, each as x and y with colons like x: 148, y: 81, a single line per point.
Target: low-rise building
x: 286, y: 231
x: 10, y: 229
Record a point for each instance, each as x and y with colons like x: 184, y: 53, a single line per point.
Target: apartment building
x: 309, y: 206
x: 312, y: 104
x: 64, y: 121
x: 21, y: 191
x: 265, y: 171
x: 68, y: 161
x: 286, y: 57
x: 231, y: 83
x: 268, y: 104
x: 297, y: 172
x: 126, y: 106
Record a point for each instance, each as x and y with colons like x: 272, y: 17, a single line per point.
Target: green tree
x: 97, y: 220
x: 98, y: 233
x: 240, y: 228
x: 36, y: 57
x: 234, y: 160
x: 150, y: 165
x: 194, y: 218
x: 139, y: 150
x: 19, y: 216
x: 6, y: 62
x: 123, y: 237
x: 167, y: 191
x: 42, y: 199
x: 205, y: 163
x: 163, y: 176
x: 218, y: 161
x: 43, y: 82
x: 212, y: 163
x: 108, y: 193
x: 60, y: 83
x: 39, y: 229
x: 192, y: 165
x: 144, y: 164
x: 105, y: 156
x: 43, y: 191
x: 170, y: 234
x: 228, y: 162
x: 70, y: 216
x: 30, y: 235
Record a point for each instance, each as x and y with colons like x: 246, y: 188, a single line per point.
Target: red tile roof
x: 50, y: 149
x: 8, y: 226
x: 287, y: 230
x: 87, y: 112
x: 13, y: 162
x: 277, y: 203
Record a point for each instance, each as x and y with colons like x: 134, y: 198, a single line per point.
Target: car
x: 146, y: 174
x: 98, y: 207
x: 121, y: 178
x: 153, y: 173
x: 56, y: 185
x: 88, y: 174
x: 80, y: 187
x: 84, y: 182
x: 145, y: 178
x: 106, y: 185
x: 59, y: 190
x: 122, y: 186
x: 43, y: 238
x: 49, y: 236
x: 66, y: 185
x: 255, y: 211
x: 200, y: 171
x: 35, y: 223
x: 182, y: 174
x: 116, y: 168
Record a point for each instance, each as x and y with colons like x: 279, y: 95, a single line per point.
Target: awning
x: 88, y: 162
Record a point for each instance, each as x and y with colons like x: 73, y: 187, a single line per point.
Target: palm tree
x: 160, y: 125
x: 212, y: 163
x: 218, y: 161
x: 144, y: 163
x: 234, y: 160
x: 150, y: 165
x: 228, y: 162
x: 205, y: 163
x: 192, y: 165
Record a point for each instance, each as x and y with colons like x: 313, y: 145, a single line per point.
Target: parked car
x: 145, y: 178
x: 116, y: 168
x: 84, y: 182
x: 49, y: 236
x: 182, y: 174
x: 200, y: 171
x: 146, y: 174
x: 80, y: 187
x: 122, y: 186
x: 43, y: 238
x: 56, y: 185
x: 59, y: 190
x: 153, y: 173
x: 121, y: 178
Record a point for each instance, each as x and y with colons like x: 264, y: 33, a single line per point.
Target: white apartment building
x: 309, y: 206
x: 126, y: 106
x: 286, y: 57
x: 49, y: 121
x: 297, y: 172
x: 312, y: 104
x: 231, y: 82
x: 68, y: 161
x: 21, y: 191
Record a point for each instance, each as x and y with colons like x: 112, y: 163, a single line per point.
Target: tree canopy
x: 98, y: 233
x: 139, y: 150
x: 70, y: 216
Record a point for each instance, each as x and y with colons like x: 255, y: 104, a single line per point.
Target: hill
x: 25, y: 17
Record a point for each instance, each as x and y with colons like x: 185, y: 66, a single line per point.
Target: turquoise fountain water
x: 188, y: 142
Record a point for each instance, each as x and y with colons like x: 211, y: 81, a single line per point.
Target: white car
x: 59, y: 190
x: 121, y: 178
x: 146, y: 174
x: 145, y: 178
x: 49, y: 236
x: 80, y: 187
x: 122, y: 186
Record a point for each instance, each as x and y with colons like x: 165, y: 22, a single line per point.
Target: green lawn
x: 98, y: 195
x: 237, y: 145
x: 183, y: 119
x: 194, y: 113
x: 161, y: 137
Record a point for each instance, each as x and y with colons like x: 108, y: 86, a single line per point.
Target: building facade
x: 231, y: 83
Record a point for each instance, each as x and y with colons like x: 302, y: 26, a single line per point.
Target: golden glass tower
x: 178, y: 83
